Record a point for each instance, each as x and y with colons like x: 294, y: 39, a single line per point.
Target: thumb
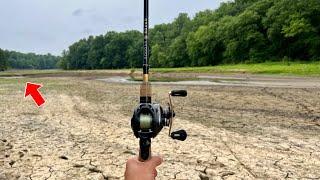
x: 155, y: 161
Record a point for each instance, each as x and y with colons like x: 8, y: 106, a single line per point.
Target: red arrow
x: 32, y: 90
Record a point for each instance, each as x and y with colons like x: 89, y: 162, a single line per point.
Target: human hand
x: 136, y: 170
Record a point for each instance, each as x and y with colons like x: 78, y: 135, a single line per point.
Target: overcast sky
x: 49, y: 26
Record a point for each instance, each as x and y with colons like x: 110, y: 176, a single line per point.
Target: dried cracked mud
x: 83, y: 131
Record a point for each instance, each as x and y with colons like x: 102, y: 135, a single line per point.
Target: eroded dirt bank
x: 83, y: 132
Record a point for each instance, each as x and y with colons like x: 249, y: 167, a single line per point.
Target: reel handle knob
x: 181, y: 93
x: 180, y: 135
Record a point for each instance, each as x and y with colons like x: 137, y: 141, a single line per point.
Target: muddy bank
x: 226, y: 80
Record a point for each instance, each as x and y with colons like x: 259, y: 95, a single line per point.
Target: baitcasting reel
x: 149, y: 119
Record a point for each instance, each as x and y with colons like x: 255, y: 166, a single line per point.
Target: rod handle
x: 145, y: 149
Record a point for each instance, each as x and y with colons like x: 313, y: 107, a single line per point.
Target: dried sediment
x: 83, y: 132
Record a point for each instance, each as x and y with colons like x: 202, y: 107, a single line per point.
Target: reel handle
x: 180, y: 135
x: 180, y: 93
x: 145, y: 149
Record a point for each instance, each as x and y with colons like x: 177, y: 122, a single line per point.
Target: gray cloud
x: 78, y: 12
x: 81, y: 12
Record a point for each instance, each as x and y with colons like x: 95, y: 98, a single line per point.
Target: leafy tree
x: 293, y: 29
x: 3, y: 60
x: 205, y: 46
x: 134, y: 53
x: 178, y: 53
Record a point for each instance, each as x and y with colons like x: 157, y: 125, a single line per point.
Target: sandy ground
x: 83, y: 131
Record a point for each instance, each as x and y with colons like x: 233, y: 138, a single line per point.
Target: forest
x: 17, y: 60
x: 240, y: 31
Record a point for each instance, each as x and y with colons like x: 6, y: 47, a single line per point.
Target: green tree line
x: 3, y: 60
x: 113, y: 50
x: 17, y: 60
x: 240, y: 31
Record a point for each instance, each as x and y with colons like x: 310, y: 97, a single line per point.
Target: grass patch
x: 276, y: 68
x: 12, y: 73
x: 61, y: 73
x: 301, y: 69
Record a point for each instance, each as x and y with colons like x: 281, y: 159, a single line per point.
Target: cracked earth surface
x: 83, y: 132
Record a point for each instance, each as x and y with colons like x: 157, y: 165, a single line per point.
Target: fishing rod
x: 149, y: 118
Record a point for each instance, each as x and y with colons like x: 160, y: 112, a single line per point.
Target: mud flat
x: 83, y: 131
x: 225, y: 80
